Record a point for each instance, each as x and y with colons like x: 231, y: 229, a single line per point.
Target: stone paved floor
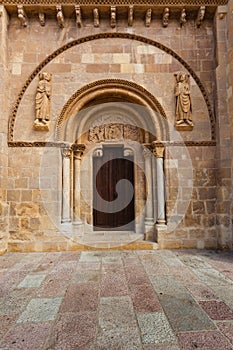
x: 127, y: 300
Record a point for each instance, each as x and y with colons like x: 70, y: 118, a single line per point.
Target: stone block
x: 13, y: 196
x: 198, y: 207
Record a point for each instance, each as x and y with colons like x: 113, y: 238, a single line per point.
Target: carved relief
x: 60, y: 16
x: 113, y: 131
x: 183, y: 17
x: 130, y: 16
x: 148, y: 17
x: 113, y: 16
x: 41, y: 16
x: 200, y: 16
x: 43, y: 97
x: 78, y: 15
x: 96, y: 18
x: 183, y: 102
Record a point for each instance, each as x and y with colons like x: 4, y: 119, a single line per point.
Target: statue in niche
x: 183, y: 102
x: 43, y: 97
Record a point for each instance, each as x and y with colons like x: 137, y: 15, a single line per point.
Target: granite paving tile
x: 115, y: 312
x: 64, y: 269
x: 69, y: 256
x: 184, y: 274
x: 26, y: 336
x: 217, y: 310
x: 52, y: 287
x: 80, y: 297
x: 225, y: 293
x: 161, y: 347
x: 40, y: 310
x: 6, y: 322
x: 86, y: 276
x: 154, y: 265
x: 122, y: 338
x: 136, y: 275
x: 112, y: 260
x: 204, y: 341
x: 212, y: 277
x: 155, y: 328
x: 227, y: 329
x: 73, y: 331
x: 200, y: 291
x: 195, y: 262
x: 31, y: 281
x: 144, y: 299
x: 183, y: 312
x: 114, y: 284
x: 87, y: 266
x: 15, y: 302
x: 90, y: 257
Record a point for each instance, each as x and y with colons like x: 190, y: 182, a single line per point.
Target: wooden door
x: 108, y: 170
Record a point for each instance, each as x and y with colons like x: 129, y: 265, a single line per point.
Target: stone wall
x: 34, y: 192
x: 4, y: 207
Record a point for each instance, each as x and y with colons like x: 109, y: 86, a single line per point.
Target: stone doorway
x: 113, y: 190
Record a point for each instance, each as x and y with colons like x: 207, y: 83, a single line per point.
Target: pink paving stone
x: 69, y: 256
x: 217, y: 310
x: 52, y: 287
x: 114, y: 284
x: 184, y: 274
x: 227, y: 329
x: 201, y: 291
x: 6, y: 323
x: 80, y: 297
x: 144, y: 299
x: 73, y: 331
x: 136, y: 275
x: 211, y: 340
x: 26, y: 336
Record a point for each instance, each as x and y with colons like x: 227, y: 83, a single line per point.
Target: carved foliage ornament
x: 183, y: 105
x: 43, y: 98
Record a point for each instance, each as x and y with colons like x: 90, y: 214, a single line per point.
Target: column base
x: 160, y: 231
x: 149, y: 230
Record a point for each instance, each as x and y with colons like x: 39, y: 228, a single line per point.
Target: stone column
x: 66, y: 188
x: 159, y: 154
x: 149, y: 219
x: 78, y: 153
x: 4, y: 102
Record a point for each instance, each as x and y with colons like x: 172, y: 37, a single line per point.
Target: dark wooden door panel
x: 108, y: 171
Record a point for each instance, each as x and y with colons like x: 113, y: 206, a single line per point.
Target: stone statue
x: 183, y: 102
x: 43, y: 96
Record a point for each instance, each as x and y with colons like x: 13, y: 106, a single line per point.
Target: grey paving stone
x: 155, y: 328
x: 15, y: 302
x: 226, y: 294
x: 195, y: 262
x: 31, y: 281
x: 40, y: 310
x: 116, y: 312
x: 90, y: 257
x: 86, y: 276
x: 122, y: 338
x: 212, y: 277
x: 168, y: 285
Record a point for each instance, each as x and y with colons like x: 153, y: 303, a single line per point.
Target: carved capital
x: 158, y: 152
x: 78, y: 150
x: 66, y: 152
x: 147, y: 152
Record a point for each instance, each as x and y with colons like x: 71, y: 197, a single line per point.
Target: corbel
x: 96, y: 17
x: 130, y: 15
x: 60, y: 16
x: 148, y: 17
x: 22, y: 16
x: 113, y: 16
x: 200, y: 16
x: 78, y: 15
x: 166, y: 13
x: 182, y: 17
x: 42, y: 19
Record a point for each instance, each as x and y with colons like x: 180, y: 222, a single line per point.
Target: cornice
x: 117, y: 2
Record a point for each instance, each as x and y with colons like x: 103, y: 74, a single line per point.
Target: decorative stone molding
x: 104, y: 36
x: 183, y: 120
x: 118, y: 2
x: 66, y: 152
x: 41, y: 16
x: 60, y: 17
x: 43, y: 97
x: 113, y: 16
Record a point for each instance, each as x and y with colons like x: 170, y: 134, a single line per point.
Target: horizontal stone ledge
x: 65, y: 145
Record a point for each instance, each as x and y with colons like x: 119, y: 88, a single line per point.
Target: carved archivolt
x: 105, y: 36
